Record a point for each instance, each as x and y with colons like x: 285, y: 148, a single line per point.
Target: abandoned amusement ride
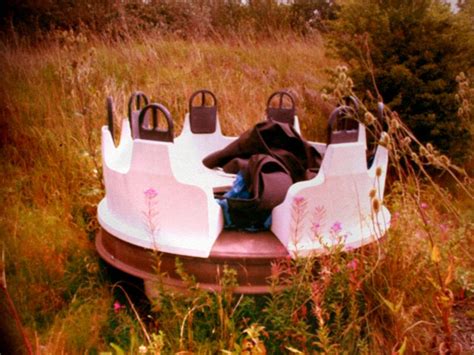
x: 212, y: 200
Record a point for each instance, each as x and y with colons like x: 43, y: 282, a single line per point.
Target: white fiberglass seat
x: 152, y: 201
x: 336, y: 206
x: 200, y: 136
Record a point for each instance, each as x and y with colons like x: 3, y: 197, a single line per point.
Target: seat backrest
x: 203, y: 118
x: 151, y: 131
x: 280, y: 113
x: 136, y: 102
x: 110, y: 115
x: 342, y: 126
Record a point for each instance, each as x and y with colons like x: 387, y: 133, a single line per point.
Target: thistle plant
x: 413, y: 164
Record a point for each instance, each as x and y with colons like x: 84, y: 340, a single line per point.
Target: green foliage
x: 413, y: 51
x: 467, y: 12
x: 201, y: 321
x: 309, y: 14
x: 316, y: 304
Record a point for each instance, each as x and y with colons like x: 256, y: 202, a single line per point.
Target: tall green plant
x: 409, y: 52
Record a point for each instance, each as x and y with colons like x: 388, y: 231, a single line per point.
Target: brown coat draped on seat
x: 272, y: 156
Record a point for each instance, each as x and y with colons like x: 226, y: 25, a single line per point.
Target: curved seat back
x: 110, y: 115
x: 203, y: 118
x: 137, y: 101
x: 201, y: 133
x: 342, y: 126
x: 280, y: 113
x: 152, y: 131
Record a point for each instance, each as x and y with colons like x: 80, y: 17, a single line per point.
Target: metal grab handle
x: 342, y: 126
x: 282, y: 94
x: 203, y: 93
x: 110, y: 115
x: 351, y: 101
x: 154, y: 133
x: 281, y: 114
x: 203, y: 119
x: 136, y: 98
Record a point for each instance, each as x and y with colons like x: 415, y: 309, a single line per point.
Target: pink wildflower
x: 298, y: 200
x: 336, y: 227
x: 395, y: 218
x: 353, y: 264
x: 150, y: 193
x: 443, y: 227
x: 117, y: 306
x: 276, y: 270
x: 424, y: 205
x: 316, y: 228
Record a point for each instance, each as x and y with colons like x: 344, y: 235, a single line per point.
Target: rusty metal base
x: 250, y: 254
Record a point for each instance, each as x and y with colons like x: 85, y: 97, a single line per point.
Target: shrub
x: 194, y: 19
x: 412, y: 51
x: 305, y: 14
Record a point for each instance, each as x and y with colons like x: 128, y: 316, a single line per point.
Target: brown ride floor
x: 250, y: 254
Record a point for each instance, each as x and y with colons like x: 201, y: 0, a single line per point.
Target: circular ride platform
x: 153, y: 174
x: 249, y: 254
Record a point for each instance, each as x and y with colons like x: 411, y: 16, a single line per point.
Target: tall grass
x: 397, y: 297
x: 52, y: 108
x: 187, y: 19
